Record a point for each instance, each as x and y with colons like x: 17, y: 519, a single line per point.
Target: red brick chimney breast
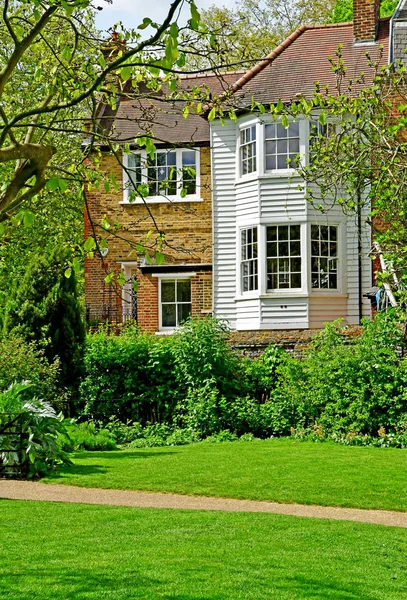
x: 366, y: 15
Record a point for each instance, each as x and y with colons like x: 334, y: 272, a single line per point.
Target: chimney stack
x: 366, y: 14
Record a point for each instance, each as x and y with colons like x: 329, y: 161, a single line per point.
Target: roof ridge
x: 248, y: 76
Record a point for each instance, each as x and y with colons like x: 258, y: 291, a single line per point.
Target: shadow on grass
x: 93, y: 469
x: 78, y: 584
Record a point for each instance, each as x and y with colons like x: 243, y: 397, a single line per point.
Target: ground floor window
x: 175, y: 301
x: 324, y: 257
x: 249, y: 259
x: 283, y: 257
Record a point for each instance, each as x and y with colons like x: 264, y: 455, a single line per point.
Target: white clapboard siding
x: 284, y: 313
x: 352, y: 316
x: 248, y: 314
x: 281, y: 200
x: 223, y: 160
x: 247, y: 201
x: 324, y: 309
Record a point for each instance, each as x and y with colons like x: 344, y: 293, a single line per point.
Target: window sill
x: 162, y: 200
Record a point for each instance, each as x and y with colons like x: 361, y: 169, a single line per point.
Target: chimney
x: 366, y: 15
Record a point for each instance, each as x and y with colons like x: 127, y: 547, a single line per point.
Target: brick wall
x: 188, y: 233
x: 365, y: 18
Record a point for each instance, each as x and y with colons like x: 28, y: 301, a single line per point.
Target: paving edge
x: 28, y: 490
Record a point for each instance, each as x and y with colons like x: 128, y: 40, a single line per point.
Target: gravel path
x: 27, y: 490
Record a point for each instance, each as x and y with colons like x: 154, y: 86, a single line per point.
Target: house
x: 244, y: 242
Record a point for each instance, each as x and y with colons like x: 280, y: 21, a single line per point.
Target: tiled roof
x: 291, y: 69
x: 134, y: 117
x: 302, y: 59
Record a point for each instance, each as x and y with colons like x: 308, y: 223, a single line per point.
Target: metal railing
x: 12, y: 445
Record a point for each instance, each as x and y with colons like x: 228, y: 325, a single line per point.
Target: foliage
x: 85, y: 436
x: 249, y: 31
x: 44, y: 308
x: 343, y: 10
x: 357, y: 387
x: 21, y: 360
x: 316, y: 433
x: 40, y: 426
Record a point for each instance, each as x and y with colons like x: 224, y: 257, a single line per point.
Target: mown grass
x: 51, y: 551
x: 282, y: 470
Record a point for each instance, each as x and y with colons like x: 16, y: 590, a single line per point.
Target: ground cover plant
x: 98, y: 552
x: 281, y: 470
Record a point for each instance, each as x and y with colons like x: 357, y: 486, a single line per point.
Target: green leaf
x: 322, y: 118
x: 284, y: 121
x: 121, y: 280
x: 159, y: 258
x: 28, y: 219
x: 90, y: 244
x: 146, y: 22
x: 52, y: 184
x: 280, y: 106
x: 184, y: 192
x: 126, y: 73
x: 2, y: 229
x: 68, y: 272
x: 212, y: 114
x: 109, y: 278
x: 76, y: 265
x: 194, y: 13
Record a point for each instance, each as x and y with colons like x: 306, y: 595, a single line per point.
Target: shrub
x: 22, y: 361
x: 43, y: 307
x: 85, y: 436
x: 40, y: 427
x: 358, y: 387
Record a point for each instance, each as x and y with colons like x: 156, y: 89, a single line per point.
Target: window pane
x: 333, y: 234
x: 296, y: 280
x: 271, y: 147
x: 269, y: 131
x: 188, y: 157
x: 282, y: 162
x: 270, y: 163
x: 167, y: 291
x: 282, y: 147
x: 294, y: 130
x: 314, y: 232
x: 294, y: 146
x: 281, y: 131
x: 184, y: 311
x: 171, y: 158
x: 283, y: 232
x: 169, y: 315
x: 283, y: 249
x: 134, y: 160
x: 295, y: 232
x: 271, y: 234
x: 184, y: 290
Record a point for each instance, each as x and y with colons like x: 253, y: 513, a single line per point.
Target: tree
x: 44, y: 308
x: 39, y: 107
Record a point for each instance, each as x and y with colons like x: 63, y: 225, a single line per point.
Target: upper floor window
x: 248, y: 150
x: 249, y: 262
x: 282, y: 145
x: 283, y: 257
x: 171, y: 173
x: 324, y: 256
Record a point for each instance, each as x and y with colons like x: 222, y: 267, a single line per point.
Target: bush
x: 40, y: 426
x: 43, y: 307
x: 23, y: 361
x: 359, y: 387
x: 85, y: 436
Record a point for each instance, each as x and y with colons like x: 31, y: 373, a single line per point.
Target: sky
x: 132, y: 12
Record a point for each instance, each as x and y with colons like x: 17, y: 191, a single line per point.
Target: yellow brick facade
x: 187, y: 227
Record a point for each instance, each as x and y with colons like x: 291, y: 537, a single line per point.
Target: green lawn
x: 51, y: 551
x: 279, y: 470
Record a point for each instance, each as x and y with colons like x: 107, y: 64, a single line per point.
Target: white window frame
x: 167, y: 277
x: 302, y: 256
x: 127, y: 186
x: 288, y: 167
x: 250, y: 261
x: 341, y: 258
x: 313, y: 121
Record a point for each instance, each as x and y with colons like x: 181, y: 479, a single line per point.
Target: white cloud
x: 132, y: 13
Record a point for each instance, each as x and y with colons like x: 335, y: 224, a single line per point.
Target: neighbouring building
x: 243, y: 243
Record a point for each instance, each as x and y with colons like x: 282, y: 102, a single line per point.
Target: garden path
x: 29, y: 490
